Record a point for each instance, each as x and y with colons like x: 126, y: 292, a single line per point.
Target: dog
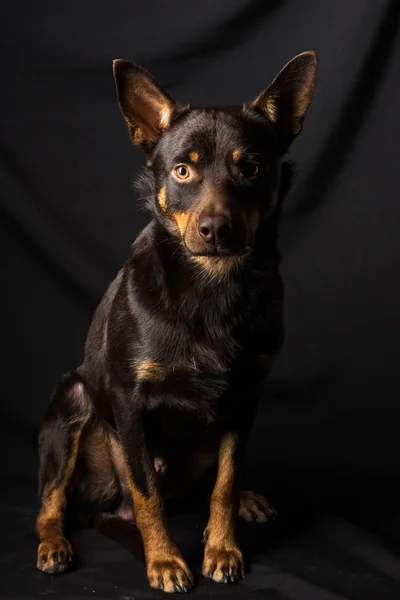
x: 185, y: 334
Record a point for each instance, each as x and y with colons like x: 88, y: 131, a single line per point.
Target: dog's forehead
x: 215, y: 132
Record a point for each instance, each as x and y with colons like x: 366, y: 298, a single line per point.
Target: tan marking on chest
x: 150, y: 370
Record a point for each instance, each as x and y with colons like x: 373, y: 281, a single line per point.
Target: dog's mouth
x: 215, y: 253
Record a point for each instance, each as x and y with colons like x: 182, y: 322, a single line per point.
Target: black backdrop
x: 325, y: 444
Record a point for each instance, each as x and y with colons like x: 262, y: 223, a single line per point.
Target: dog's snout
x: 215, y: 229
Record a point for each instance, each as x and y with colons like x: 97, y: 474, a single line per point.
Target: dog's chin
x: 214, y: 254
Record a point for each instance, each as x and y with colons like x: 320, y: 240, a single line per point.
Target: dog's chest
x: 188, y: 445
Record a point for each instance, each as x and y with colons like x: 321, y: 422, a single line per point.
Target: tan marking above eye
x: 182, y: 172
x: 237, y: 155
x: 194, y: 157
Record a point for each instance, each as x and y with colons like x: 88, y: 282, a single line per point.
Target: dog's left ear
x: 145, y: 107
x: 286, y: 100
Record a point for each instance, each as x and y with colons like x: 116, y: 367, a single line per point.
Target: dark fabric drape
x: 325, y: 446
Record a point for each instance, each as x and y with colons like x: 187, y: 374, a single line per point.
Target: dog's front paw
x: 223, y: 565
x: 170, y: 575
x: 54, y: 556
x: 254, y: 507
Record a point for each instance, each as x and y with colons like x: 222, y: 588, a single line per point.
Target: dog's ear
x: 145, y: 107
x: 287, y: 98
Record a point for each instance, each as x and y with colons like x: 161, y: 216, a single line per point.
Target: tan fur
x: 162, y: 199
x: 55, y: 552
x: 236, y: 155
x: 138, y: 137
x: 212, y: 201
x: 222, y: 495
x: 165, y: 116
x: 53, y: 501
x: 164, y: 561
x: 221, y: 553
x: 217, y: 267
x: 54, y: 548
x: 254, y: 507
x: 182, y: 220
x: 150, y: 370
x: 54, y: 498
x: 194, y: 157
x: 270, y: 108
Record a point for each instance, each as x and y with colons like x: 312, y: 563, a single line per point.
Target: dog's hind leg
x: 69, y: 411
x: 254, y: 507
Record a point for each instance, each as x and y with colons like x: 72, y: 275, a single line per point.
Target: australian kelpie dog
x: 186, y: 332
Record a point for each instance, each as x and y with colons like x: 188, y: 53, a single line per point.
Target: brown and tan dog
x: 185, y: 333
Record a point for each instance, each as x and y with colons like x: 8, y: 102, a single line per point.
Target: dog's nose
x: 215, y: 229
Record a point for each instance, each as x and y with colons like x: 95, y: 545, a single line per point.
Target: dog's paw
x: 254, y: 507
x: 170, y: 575
x: 160, y: 465
x: 223, y: 565
x: 54, y: 556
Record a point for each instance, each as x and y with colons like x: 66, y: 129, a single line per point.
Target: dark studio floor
x: 310, y: 552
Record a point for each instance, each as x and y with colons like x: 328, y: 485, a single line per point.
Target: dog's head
x: 216, y: 170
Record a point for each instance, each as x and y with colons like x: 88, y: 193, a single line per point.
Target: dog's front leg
x: 223, y: 561
x: 166, y: 569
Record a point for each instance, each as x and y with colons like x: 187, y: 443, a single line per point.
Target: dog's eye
x: 249, y: 169
x: 182, y: 172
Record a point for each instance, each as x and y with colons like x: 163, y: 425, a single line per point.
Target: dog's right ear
x: 145, y: 107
